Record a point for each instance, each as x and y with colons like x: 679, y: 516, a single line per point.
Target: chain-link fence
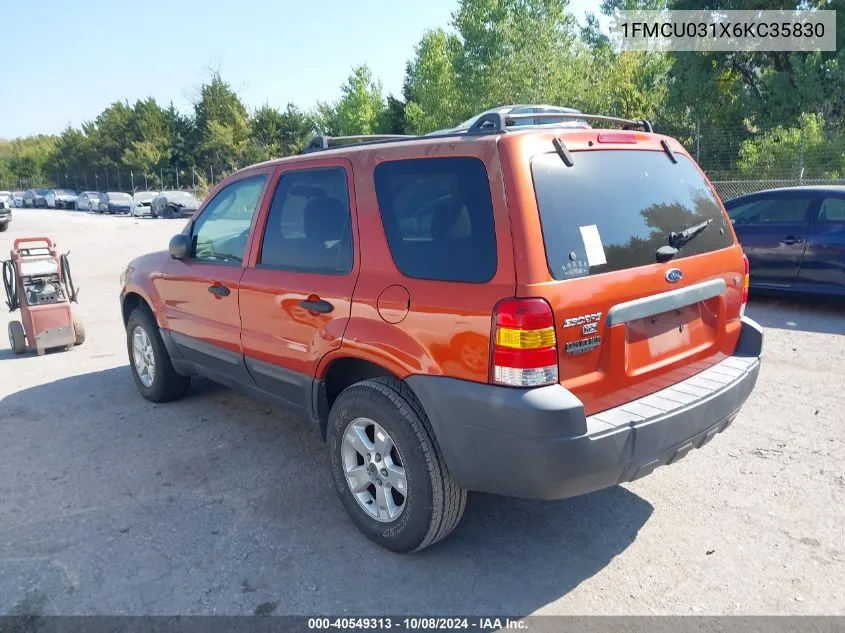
x: 728, y: 189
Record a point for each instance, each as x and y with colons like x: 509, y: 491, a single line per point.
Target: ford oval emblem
x: 674, y: 275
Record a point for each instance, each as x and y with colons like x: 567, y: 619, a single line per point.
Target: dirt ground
x: 220, y: 505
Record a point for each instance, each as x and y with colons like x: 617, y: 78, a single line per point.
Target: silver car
x: 17, y: 199
x: 61, y: 199
x: 174, y: 204
x: 88, y: 201
x: 141, y: 202
x: 519, y: 109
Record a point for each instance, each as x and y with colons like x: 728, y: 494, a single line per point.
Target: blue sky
x: 63, y: 61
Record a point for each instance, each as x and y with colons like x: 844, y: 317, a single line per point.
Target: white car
x: 141, y: 203
x: 17, y: 198
x: 7, y: 197
x: 88, y: 201
x: 61, y: 199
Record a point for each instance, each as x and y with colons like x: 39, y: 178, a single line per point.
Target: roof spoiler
x: 496, y: 122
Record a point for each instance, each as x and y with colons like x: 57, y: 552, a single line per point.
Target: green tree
x: 802, y: 151
x: 222, y: 124
x: 514, y: 51
x: 360, y: 109
x: 297, y: 128
x: 433, y: 99
x: 111, y: 132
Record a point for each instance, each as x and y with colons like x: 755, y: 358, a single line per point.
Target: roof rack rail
x: 495, y: 122
x: 320, y: 143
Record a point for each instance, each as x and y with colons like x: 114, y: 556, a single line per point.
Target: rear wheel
x: 387, y: 468
x: 17, y: 337
x: 154, y: 375
x: 78, y: 331
x: 4, y: 226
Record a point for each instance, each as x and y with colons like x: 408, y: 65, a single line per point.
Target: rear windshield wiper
x: 678, y: 239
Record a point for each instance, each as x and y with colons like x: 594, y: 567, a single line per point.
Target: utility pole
x: 132, y: 178
x: 176, y: 169
x: 801, y: 154
x: 145, y: 179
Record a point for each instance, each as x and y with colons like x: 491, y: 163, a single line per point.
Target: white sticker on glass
x: 592, y: 245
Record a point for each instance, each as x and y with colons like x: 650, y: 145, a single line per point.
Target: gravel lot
x: 218, y: 504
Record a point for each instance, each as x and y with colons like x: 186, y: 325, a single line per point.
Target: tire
x: 17, y: 337
x: 78, y: 331
x: 168, y: 213
x: 433, y: 504
x: 4, y: 227
x: 165, y: 385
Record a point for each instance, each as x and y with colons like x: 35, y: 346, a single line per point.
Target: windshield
x: 144, y: 195
x: 119, y: 196
x: 614, y: 208
x: 62, y: 192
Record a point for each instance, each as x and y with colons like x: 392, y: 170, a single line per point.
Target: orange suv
x: 537, y: 310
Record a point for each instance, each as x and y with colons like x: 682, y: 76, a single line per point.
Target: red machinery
x: 38, y: 281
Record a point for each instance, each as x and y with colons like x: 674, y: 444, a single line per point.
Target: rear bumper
x: 538, y: 443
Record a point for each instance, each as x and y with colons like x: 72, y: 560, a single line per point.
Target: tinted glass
x: 309, y: 227
x: 438, y: 217
x: 832, y: 210
x: 220, y: 233
x: 776, y: 210
x: 613, y: 209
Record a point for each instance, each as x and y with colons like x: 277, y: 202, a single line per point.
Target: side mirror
x: 180, y: 246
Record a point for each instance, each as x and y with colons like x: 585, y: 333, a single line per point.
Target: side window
x: 221, y: 231
x: 771, y: 211
x: 438, y: 218
x: 309, y: 227
x: 832, y: 210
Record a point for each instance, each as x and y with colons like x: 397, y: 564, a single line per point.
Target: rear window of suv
x: 613, y: 209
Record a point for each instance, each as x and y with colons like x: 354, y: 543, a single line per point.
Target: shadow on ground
x: 822, y: 315
x: 218, y: 504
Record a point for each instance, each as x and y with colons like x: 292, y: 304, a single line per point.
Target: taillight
x: 745, y: 283
x: 616, y: 137
x: 524, y: 343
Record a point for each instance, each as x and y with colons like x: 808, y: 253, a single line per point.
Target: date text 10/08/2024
x: 417, y: 624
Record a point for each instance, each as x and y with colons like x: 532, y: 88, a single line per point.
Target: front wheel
x: 4, y: 226
x: 17, y: 337
x: 387, y: 467
x: 154, y: 375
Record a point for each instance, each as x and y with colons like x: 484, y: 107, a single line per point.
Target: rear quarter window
x: 613, y: 209
x: 437, y: 215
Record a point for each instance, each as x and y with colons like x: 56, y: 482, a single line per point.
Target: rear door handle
x: 789, y: 241
x: 319, y: 305
x: 219, y: 290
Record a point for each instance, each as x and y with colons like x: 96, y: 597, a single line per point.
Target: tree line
x: 752, y: 115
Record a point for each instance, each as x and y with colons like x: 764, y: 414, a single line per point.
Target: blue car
x: 794, y: 238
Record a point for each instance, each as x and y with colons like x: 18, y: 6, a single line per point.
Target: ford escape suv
x: 538, y: 311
